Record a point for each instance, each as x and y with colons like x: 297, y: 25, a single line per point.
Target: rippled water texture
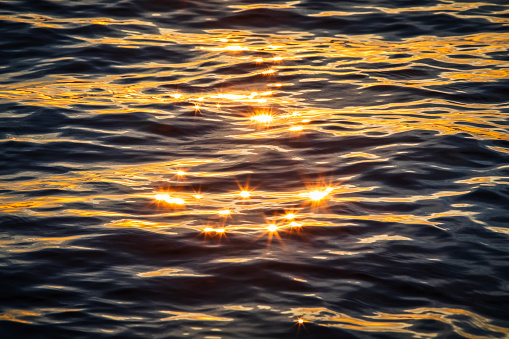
x: 222, y: 169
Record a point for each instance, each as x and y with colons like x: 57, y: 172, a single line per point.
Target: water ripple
x: 311, y: 169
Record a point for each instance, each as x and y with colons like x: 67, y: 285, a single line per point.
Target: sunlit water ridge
x: 232, y: 170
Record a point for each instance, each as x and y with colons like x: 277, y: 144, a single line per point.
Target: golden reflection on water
x: 269, y: 57
x: 34, y: 244
x: 306, y: 207
x: 273, y: 110
x: 192, y: 316
x: 404, y: 322
x: 170, y: 272
x: 33, y: 315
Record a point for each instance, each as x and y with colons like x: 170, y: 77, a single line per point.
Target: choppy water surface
x: 222, y: 169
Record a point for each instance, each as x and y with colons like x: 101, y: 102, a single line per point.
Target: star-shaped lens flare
x: 179, y: 174
x: 214, y: 232
x: 300, y: 324
x: 245, y: 191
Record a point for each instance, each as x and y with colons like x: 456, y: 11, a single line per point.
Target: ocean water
x: 254, y: 169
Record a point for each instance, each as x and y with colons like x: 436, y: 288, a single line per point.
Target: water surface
x: 222, y: 169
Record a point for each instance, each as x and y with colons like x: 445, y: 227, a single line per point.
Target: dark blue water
x: 222, y: 169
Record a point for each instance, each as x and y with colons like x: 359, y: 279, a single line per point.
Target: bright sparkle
x: 272, y: 228
x: 224, y: 212
x: 217, y: 230
x: 270, y: 71
x: 262, y: 118
x: 168, y: 199
x: 290, y: 216
x: 176, y: 201
x: 162, y: 197
x: 295, y: 224
x: 245, y: 194
x: 296, y: 128
x: 236, y: 48
x: 317, y: 195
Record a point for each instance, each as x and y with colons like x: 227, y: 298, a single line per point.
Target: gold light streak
x: 190, y: 316
x: 236, y: 48
x: 31, y: 316
x: 170, y: 272
x: 165, y: 197
x: 317, y: 195
x: 381, y: 322
x: 264, y: 6
x: 215, y: 230
x: 225, y: 213
x: 253, y: 97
